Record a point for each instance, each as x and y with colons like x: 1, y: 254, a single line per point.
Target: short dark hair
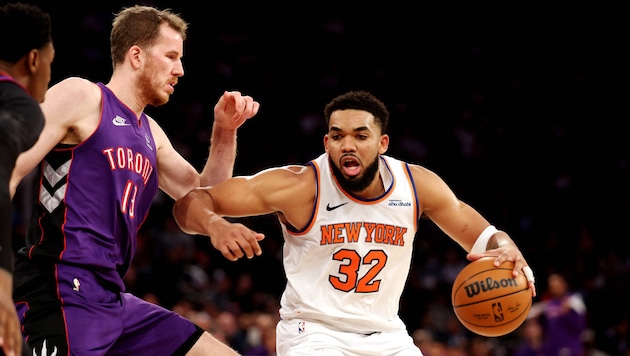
x: 24, y: 27
x: 359, y: 100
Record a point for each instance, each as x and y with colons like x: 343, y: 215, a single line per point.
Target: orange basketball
x: 488, y: 300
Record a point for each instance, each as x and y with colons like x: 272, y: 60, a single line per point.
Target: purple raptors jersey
x: 94, y: 196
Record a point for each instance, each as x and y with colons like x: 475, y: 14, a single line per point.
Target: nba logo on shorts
x: 497, y: 310
x: 301, y: 327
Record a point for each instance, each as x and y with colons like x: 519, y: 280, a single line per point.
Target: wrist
x: 222, y: 134
x: 481, y: 244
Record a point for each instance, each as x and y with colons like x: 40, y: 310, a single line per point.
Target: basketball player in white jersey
x: 349, y: 218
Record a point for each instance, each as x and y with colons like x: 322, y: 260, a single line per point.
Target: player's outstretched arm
x: 288, y: 191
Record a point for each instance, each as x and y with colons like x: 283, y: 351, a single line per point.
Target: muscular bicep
x: 457, y: 219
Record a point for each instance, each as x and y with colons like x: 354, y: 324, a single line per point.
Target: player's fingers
x: 242, y: 103
x: 255, y: 108
x: 531, y: 280
x: 532, y: 286
x: 13, y: 346
x: 247, y: 250
x: 529, y: 274
x: 227, y: 253
x: 246, y: 107
x: 475, y: 256
x: 10, y: 342
x: 236, y: 249
x: 250, y: 245
x: 4, y: 327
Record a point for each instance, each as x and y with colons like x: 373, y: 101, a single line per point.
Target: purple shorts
x: 84, y: 318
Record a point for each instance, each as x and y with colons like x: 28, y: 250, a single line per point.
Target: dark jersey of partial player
x: 94, y: 196
x: 21, y: 121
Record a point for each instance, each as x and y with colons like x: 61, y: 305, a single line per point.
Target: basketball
x: 488, y: 300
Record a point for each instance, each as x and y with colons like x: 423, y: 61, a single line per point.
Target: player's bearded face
x: 358, y: 183
x: 151, y: 84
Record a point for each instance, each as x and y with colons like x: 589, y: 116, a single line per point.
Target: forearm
x: 193, y: 211
x: 221, y: 158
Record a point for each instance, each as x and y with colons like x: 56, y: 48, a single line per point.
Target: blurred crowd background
x: 519, y: 107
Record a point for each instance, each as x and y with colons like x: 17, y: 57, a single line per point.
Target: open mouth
x: 350, y: 166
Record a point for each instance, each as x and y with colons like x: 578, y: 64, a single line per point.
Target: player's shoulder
x: 75, y: 86
x: 289, y: 170
x: 17, y: 103
x: 420, y: 169
x: 9, y: 83
x: 12, y: 90
x: 423, y: 175
x: 79, y: 82
x: 290, y: 175
x: 74, y: 92
x: 73, y: 100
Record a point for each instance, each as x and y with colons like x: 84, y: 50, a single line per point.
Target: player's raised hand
x: 233, y: 109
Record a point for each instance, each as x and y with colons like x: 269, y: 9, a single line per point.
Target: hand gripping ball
x: 488, y: 300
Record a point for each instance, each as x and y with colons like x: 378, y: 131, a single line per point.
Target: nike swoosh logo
x: 120, y: 121
x: 331, y: 208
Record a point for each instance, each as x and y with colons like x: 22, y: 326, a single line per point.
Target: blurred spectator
x: 424, y: 339
x: 264, y: 332
x: 480, y: 346
x: 562, y: 314
x: 531, y: 339
x: 194, y: 313
x: 456, y: 334
x: 228, y: 330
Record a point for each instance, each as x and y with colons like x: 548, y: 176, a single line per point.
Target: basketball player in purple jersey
x: 102, y: 161
x: 26, y: 55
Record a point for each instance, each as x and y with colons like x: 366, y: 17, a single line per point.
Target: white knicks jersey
x: 349, y: 266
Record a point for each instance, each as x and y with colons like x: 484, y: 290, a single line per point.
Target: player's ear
x: 384, y: 144
x: 31, y: 61
x: 135, y: 54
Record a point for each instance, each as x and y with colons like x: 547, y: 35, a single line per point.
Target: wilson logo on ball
x: 489, y: 284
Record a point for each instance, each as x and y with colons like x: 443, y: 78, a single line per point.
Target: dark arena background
x: 520, y: 108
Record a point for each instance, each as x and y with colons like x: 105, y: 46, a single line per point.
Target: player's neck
x: 6, y: 68
x: 127, y: 94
